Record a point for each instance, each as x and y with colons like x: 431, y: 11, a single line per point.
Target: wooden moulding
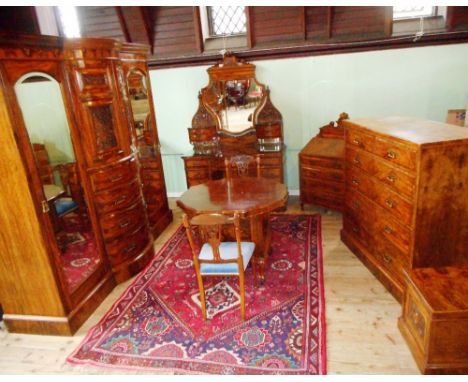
x: 65, y: 325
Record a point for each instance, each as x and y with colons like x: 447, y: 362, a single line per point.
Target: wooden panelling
x: 19, y: 19
x: 100, y: 22
x: 353, y: 22
x: 174, y: 31
x: 457, y: 18
x: 277, y: 24
x: 293, y: 31
x: 316, y: 22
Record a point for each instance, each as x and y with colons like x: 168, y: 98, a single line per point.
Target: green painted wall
x: 44, y: 115
x: 421, y: 82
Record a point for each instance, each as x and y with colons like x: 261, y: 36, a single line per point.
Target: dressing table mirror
x: 235, y: 116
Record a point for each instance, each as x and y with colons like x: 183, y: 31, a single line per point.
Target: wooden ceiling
x: 174, y: 34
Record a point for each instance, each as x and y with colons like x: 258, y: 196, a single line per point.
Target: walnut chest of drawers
x: 434, y: 320
x: 321, y: 169
x: 406, y: 199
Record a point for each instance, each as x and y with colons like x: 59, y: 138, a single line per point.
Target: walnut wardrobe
x: 81, y: 111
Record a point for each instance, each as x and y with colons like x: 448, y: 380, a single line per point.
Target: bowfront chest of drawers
x: 406, y: 199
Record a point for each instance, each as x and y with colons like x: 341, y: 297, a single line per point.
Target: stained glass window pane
x: 227, y: 20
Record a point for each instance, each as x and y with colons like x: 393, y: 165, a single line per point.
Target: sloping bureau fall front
x: 406, y: 202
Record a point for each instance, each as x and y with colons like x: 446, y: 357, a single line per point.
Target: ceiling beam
x: 136, y: 25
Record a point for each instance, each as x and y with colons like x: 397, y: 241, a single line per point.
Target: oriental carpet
x: 80, y: 256
x: 157, y: 324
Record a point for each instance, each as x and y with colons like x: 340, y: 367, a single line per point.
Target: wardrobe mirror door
x: 139, y: 101
x: 40, y: 99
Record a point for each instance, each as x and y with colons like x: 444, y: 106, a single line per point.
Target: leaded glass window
x: 226, y: 21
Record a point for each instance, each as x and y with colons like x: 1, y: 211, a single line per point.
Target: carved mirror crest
x: 233, y: 95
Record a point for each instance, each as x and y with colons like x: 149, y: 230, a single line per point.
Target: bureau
x: 321, y: 168
x: 406, y: 198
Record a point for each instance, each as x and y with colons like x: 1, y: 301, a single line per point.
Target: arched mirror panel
x: 40, y: 99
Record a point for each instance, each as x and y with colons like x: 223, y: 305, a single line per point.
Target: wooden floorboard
x: 361, y: 319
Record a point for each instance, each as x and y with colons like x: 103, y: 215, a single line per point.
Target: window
x: 69, y: 21
x: 409, y: 12
x: 418, y: 20
x: 226, y: 21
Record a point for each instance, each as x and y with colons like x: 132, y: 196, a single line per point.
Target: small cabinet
x: 321, y: 168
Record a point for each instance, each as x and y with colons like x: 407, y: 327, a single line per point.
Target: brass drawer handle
x: 387, y: 229
x: 387, y: 259
x: 355, y: 181
x: 124, y: 223
x: 390, y: 203
x: 391, y: 154
x: 116, y: 178
x: 356, y: 160
x: 391, y: 178
x: 120, y: 200
x: 357, y: 142
x: 130, y: 247
x: 356, y: 205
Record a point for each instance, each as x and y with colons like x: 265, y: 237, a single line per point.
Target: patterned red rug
x: 80, y: 256
x: 157, y: 324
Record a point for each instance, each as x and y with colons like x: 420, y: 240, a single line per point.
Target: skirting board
x: 179, y: 193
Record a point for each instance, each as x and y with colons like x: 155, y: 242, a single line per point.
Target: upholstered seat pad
x: 63, y: 205
x: 227, y: 251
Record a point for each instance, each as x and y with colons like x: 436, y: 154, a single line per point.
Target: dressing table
x: 235, y: 116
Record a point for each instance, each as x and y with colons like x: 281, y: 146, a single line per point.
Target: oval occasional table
x: 252, y: 198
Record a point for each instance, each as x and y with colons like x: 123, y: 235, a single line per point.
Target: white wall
x: 421, y: 82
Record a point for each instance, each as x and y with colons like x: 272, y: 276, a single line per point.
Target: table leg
x: 260, y: 233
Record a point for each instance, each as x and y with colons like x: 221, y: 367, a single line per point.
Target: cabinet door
x: 101, y: 114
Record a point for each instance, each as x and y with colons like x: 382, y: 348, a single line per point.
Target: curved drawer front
x: 390, y: 175
x: 153, y: 164
x: 117, y: 198
x: 113, y: 176
x: 150, y: 175
x: 123, y: 248
x: 122, y: 222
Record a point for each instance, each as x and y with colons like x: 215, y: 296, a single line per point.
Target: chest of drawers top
x: 411, y: 131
